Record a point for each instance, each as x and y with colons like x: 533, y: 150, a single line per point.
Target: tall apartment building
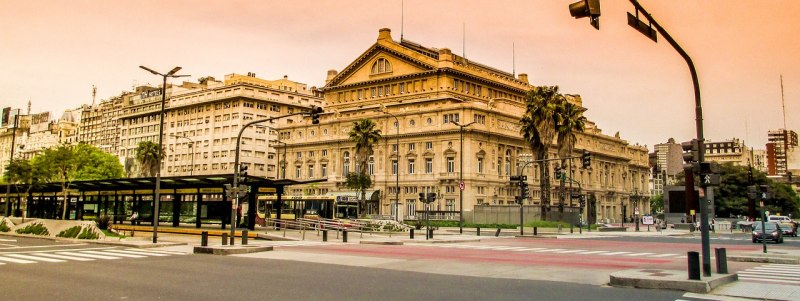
x: 202, y: 121
x: 781, y: 142
x: 99, y: 123
x: 668, y: 160
x: 427, y: 89
x: 13, y: 133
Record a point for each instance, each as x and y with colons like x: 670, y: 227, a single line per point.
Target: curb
x: 271, y: 237
x: 230, y: 250
x: 375, y: 242
x: 675, y: 280
x: 764, y: 259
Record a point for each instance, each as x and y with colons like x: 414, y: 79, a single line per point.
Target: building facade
x: 13, y: 134
x: 780, y: 143
x: 202, y: 121
x: 667, y: 162
x: 414, y: 94
x: 732, y: 151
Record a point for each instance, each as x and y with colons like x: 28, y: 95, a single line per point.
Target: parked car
x: 787, y: 225
x: 773, y: 232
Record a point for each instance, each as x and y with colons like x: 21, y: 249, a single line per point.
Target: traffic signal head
x: 763, y: 192
x: 422, y: 197
x: 525, y: 190
x: 586, y: 8
x: 315, y: 111
x: 431, y: 197
x: 586, y: 159
x: 691, y: 153
x: 242, y: 173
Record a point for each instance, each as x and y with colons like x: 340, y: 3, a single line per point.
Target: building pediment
x: 379, y: 62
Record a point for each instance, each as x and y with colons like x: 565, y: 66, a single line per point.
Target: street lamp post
x: 280, y: 162
x: 11, y: 158
x: 191, y: 149
x: 395, y: 210
x: 636, y: 207
x: 157, y: 199
x: 461, y: 185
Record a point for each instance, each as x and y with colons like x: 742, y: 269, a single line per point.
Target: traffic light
x: 752, y: 192
x: 518, y: 200
x: 315, y: 111
x: 431, y: 197
x: 422, y: 197
x: 242, y: 173
x: 586, y: 159
x: 582, y: 200
x: 691, y: 153
x: 763, y: 192
x: 586, y: 8
x: 524, y: 190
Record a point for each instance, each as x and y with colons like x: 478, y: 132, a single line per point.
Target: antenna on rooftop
x: 402, y: 10
x: 464, y: 39
x: 513, y: 60
x: 94, y: 94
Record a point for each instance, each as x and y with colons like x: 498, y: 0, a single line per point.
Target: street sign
x: 711, y: 179
x: 519, y: 178
x: 461, y: 185
x: 647, y: 220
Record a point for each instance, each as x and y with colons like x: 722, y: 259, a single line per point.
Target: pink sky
x: 52, y: 52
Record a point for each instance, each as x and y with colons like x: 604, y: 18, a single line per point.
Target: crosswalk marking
x: 114, y: 254
x: 614, y: 253
x: 34, y: 258
x: 14, y: 260
x: 87, y: 255
x: 558, y: 251
x: 64, y: 257
x: 772, y: 273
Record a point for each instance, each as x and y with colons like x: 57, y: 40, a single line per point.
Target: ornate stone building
x: 414, y: 93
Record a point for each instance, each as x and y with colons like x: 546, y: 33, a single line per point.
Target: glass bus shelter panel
x: 188, y: 209
x: 214, y: 210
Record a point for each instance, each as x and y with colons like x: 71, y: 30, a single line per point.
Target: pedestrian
x: 134, y: 217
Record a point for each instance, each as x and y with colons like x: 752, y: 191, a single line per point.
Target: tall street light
x: 157, y: 199
x: 191, y: 147
x: 461, y: 185
x: 591, y: 9
x: 396, y: 208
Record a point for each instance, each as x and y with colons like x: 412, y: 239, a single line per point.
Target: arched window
x: 381, y: 66
x: 346, y: 164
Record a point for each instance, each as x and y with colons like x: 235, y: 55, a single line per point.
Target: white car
x: 787, y: 225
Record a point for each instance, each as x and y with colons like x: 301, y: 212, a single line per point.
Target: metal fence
x: 490, y: 214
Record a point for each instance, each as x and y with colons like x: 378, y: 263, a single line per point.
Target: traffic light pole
x: 235, y: 200
x: 522, y: 199
x: 706, y: 253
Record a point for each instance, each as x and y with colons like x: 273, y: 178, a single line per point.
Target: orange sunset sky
x: 52, y: 52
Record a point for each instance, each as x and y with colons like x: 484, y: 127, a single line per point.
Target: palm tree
x: 568, y: 120
x: 538, y: 130
x: 147, y: 154
x: 365, y: 136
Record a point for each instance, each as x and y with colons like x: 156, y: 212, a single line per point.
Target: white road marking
x: 35, y: 258
x: 88, y: 255
x: 14, y: 260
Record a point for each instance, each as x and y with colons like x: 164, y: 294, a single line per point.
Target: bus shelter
x: 184, y: 200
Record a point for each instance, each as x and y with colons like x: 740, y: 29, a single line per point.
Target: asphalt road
x: 728, y: 239
x: 208, y: 277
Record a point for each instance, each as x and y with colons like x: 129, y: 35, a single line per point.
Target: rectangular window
x: 324, y: 170
x: 411, y: 147
x: 451, y: 164
x: 480, y: 165
x: 410, y: 166
x: 394, y: 167
x: 429, y: 165
x: 311, y: 171
x: 428, y: 145
x: 394, y: 148
x: 373, y: 91
x: 402, y: 88
x: 297, y: 172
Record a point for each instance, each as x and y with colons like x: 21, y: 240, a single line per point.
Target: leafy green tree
x: 95, y: 164
x: 365, y: 136
x: 20, y: 172
x: 147, y: 153
x: 569, y: 119
x: 538, y: 128
x: 657, y: 203
x: 58, y: 165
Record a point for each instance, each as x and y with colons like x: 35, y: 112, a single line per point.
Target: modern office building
x: 781, y: 142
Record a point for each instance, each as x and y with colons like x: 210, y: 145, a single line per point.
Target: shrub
x: 70, y: 233
x: 4, y: 227
x: 35, y: 229
x: 103, y: 222
x: 88, y: 234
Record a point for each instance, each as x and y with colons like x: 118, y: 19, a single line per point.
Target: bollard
x: 244, y: 237
x: 411, y: 234
x: 430, y: 233
x: 344, y: 235
x: 694, y: 265
x: 559, y: 228
x: 580, y: 230
x: 535, y: 231
x: 204, y: 239
x: 722, y: 260
x: 224, y: 239
x: 496, y: 234
x: 324, y: 235
x: 479, y: 231
x: 570, y: 229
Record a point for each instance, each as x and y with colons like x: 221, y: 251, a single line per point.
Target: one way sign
x: 710, y: 180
